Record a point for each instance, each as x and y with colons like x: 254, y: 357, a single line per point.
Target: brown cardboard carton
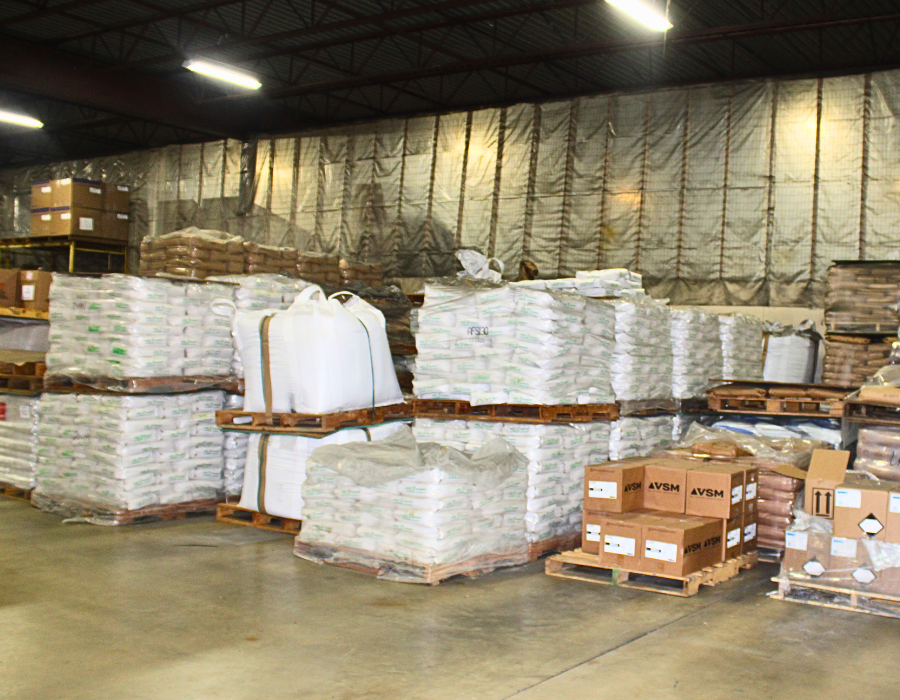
x: 861, y: 509
x: 807, y: 554
x: 622, y: 544
x: 886, y: 581
x: 591, y: 531
x: 77, y: 192
x: 732, y: 537
x: 614, y: 487
x: 749, y: 535
x: 117, y: 198
x: 848, y: 556
x: 827, y: 470
x: 114, y: 225
x: 40, y: 222
x: 41, y: 195
x: 67, y: 221
x: 892, y: 527
x: 677, y: 545
x: 34, y: 289
x: 665, y: 485
x: 751, y: 489
x: 9, y: 287
x: 715, y: 491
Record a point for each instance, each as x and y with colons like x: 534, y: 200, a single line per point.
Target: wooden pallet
x: 871, y: 413
x: 24, y: 369
x: 31, y: 314
x: 234, y: 514
x: 307, y: 423
x: 514, y: 413
x: 140, y: 385
x: 881, y: 328
x: 70, y: 508
x: 579, y: 566
x: 560, y: 543
x: 836, y: 598
x: 393, y: 569
x: 696, y: 406
x: 770, y: 555
x: 18, y: 384
x: 15, y: 493
x: 648, y: 407
x: 778, y: 399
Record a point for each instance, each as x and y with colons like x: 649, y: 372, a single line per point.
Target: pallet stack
x: 860, y: 296
x: 18, y: 416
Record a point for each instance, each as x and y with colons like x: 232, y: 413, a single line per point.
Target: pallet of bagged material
x: 648, y: 407
x: 310, y: 423
x: 235, y: 515
x: 560, y: 543
x: 871, y: 413
x: 578, y: 566
x: 514, y: 413
x: 695, y: 406
x: 15, y: 492
x: 861, y: 327
x: 140, y: 385
x: 390, y: 569
x: 19, y: 384
x: 836, y: 598
x: 72, y: 508
x: 778, y: 399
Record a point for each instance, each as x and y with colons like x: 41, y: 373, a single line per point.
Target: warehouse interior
x: 389, y: 348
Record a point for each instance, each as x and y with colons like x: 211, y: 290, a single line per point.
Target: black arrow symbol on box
x: 828, y: 503
x: 818, y: 502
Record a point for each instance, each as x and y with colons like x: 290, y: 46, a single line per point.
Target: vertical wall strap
x: 345, y: 232
x: 369, y: 216
x: 864, y: 174
x: 639, y: 239
x: 429, y: 245
x: 266, y: 365
x: 682, y: 190
x: 319, y: 233
x: 462, y: 181
x: 179, y: 215
x: 270, y: 187
x: 602, y: 228
x: 262, y: 458
x: 532, y: 178
x: 290, y: 237
x: 248, y: 178
x: 200, y: 178
x: 815, y: 203
x: 770, y: 197
x: 724, y: 228
x: 566, y: 217
x: 498, y: 174
x: 399, y: 229
x: 224, y: 168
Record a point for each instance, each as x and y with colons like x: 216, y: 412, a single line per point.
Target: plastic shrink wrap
x: 791, y: 353
x: 17, y: 440
x: 742, y: 347
x: 639, y: 436
x: 406, y: 508
x: 642, y: 363
x: 696, y: 351
x: 111, y: 453
x: 557, y: 455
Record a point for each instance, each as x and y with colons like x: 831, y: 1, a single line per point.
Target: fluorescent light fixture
x: 642, y: 14
x: 220, y: 71
x: 21, y: 120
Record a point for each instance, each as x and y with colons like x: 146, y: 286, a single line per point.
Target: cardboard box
x: 807, y: 554
x: 622, y: 545
x: 117, y: 198
x: 34, y: 289
x: 40, y: 222
x: 77, y: 192
x: 861, y: 509
x: 677, y: 545
x: 892, y: 527
x: 9, y: 287
x: 591, y: 530
x: 41, y: 195
x: 665, y: 485
x: 614, y: 487
x: 67, y: 221
x: 114, y: 225
x: 847, y: 557
x: 751, y: 489
x: 749, y: 535
x: 732, y: 537
x: 715, y: 491
x: 827, y: 470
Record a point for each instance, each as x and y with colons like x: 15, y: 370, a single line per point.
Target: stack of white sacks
x: 696, y: 350
x: 116, y: 452
x: 557, y: 455
x: 123, y: 326
x: 642, y: 364
x: 17, y: 440
x: 443, y: 509
x: 235, y: 451
x: 640, y: 436
x: 517, y: 344
x: 616, y: 282
x: 742, y: 346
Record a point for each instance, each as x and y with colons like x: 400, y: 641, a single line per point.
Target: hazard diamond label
x: 864, y: 575
x: 871, y: 525
x: 814, y: 568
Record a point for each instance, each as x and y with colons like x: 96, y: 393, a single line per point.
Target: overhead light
x: 642, y: 14
x: 222, y: 72
x: 21, y: 120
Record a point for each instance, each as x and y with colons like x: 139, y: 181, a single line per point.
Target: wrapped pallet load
x: 696, y: 351
x: 791, y: 353
x: 18, y: 417
x: 742, y: 347
x: 851, y: 360
x: 642, y: 364
x: 414, y: 512
x: 193, y: 252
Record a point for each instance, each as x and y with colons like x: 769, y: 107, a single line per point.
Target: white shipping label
x: 894, y: 503
x: 27, y: 292
x: 843, y: 547
x: 592, y: 533
x: 66, y: 216
x: 25, y: 411
x: 46, y: 189
x: 848, y: 498
x: 85, y: 223
x: 796, y: 540
x: 734, y: 538
x: 122, y: 217
x: 737, y: 494
x: 664, y: 551
x: 619, y: 545
x: 66, y: 181
x: 95, y: 190
x: 46, y: 217
x: 602, y: 489
x: 122, y: 188
x: 751, y: 491
x: 749, y: 532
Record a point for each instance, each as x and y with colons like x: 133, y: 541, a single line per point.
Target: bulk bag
x: 264, y: 366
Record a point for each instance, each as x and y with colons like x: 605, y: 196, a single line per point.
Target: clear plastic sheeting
x: 640, y: 436
x: 642, y: 361
x: 742, y: 346
x: 409, y: 510
x: 696, y: 351
x: 793, y: 450
x: 791, y: 353
x: 17, y: 440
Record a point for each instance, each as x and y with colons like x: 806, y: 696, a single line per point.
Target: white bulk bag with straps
x: 263, y: 366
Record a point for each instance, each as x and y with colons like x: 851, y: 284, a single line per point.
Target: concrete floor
x: 207, y: 611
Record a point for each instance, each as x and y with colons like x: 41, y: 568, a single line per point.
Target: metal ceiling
x: 106, y: 76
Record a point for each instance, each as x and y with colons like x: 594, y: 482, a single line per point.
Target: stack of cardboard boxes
x: 25, y: 289
x: 860, y: 509
x: 667, y: 516
x: 78, y: 207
